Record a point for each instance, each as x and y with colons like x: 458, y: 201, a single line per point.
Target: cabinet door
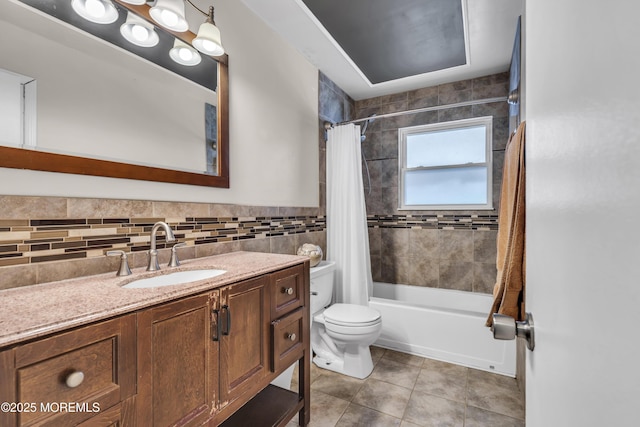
x: 177, y: 363
x: 244, y: 342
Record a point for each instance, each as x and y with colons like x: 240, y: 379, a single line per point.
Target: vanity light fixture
x: 184, y: 54
x: 169, y: 14
x: 97, y: 11
x: 138, y: 31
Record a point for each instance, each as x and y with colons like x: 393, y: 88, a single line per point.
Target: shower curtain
x: 347, y: 235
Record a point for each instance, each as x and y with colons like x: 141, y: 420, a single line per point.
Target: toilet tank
x: 322, y: 285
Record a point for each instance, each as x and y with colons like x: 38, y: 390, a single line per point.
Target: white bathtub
x: 441, y: 324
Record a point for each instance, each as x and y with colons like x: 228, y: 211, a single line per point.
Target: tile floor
x: 406, y: 391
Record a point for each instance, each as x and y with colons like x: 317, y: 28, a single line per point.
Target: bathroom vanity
x: 89, y: 352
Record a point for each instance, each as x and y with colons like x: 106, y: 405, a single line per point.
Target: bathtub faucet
x: 153, y: 252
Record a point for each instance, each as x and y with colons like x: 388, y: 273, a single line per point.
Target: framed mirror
x: 118, y: 143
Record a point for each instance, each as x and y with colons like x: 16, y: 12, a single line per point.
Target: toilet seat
x: 351, y: 315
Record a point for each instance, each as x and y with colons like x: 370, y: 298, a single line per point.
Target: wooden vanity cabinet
x: 200, y: 360
x: 205, y: 357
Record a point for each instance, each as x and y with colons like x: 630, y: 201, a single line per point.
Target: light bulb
x: 169, y: 18
x: 185, y: 54
x: 209, y: 46
x: 140, y: 33
x: 95, y: 8
x: 97, y: 11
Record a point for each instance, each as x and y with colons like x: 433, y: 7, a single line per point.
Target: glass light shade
x: 208, y: 40
x: 138, y: 31
x: 97, y: 11
x: 136, y: 2
x: 184, y: 54
x: 170, y: 14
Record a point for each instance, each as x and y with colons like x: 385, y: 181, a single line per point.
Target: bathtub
x: 441, y: 324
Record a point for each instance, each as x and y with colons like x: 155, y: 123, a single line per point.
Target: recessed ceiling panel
x: 389, y: 40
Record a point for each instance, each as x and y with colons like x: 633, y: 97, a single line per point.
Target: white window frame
x: 487, y: 121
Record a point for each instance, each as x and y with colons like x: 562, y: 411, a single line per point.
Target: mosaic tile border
x: 24, y: 241
x: 435, y: 221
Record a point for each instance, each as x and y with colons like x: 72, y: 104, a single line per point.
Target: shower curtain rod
x: 421, y: 110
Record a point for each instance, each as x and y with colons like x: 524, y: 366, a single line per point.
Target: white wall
x: 273, y: 116
x: 583, y: 199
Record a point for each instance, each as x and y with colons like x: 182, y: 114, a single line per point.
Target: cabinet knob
x: 74, y: 379
x: 291, y: 337
x: 288, y: 291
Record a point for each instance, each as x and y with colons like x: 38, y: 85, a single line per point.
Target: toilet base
x: 356, y: 363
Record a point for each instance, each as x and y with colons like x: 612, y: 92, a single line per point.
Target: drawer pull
x: 74, y: 379
x: 288, y: 291
x: 291, y: 337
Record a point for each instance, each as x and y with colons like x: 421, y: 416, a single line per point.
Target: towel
x: 508, y: 291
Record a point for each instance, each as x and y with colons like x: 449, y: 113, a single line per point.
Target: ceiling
x: 378, y: 47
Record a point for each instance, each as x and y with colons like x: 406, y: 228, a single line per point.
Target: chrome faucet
x: 153, y: 252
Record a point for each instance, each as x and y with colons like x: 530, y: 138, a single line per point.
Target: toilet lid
x: 351, y: 314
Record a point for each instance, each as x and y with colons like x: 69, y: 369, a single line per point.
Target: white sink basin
x: 177, y: 278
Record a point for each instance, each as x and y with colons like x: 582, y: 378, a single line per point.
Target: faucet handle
x: 174, y: 261
x: 124, y: 269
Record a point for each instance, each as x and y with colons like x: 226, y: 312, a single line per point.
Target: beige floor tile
x: 405, y: 358
x: 410, y: 391
x: 476, y: 417
x: 326, y: 410
x: 376, y: 353
x: 443, y: 379
x: 431, y: 411
x: 356, y: 415
x: 495, y: 393
x: 337, y: 385
x: 383, y: 397
x: 395, y: 373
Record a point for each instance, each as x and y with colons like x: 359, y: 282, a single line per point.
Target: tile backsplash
x: 44, y: 239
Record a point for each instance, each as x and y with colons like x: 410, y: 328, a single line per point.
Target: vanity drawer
x: 287, y: 291
x: 91, y: 369
x: 287, y: 340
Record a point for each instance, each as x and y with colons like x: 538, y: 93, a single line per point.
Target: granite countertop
x: 39, y: 310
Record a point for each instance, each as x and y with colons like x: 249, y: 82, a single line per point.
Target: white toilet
x: 341, y: 333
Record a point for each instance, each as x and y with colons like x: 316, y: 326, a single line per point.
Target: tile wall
x: 44, y: 239
x: 445, y: 249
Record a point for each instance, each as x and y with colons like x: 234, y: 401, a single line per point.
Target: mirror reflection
x: 97, y: 101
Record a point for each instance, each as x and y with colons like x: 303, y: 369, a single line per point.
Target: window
x: 446, y: 165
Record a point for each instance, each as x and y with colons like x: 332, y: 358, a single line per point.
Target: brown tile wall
x: 44, y: 239
x: 444, y: 249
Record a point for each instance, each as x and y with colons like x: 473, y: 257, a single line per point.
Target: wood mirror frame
x: 19, y: 158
